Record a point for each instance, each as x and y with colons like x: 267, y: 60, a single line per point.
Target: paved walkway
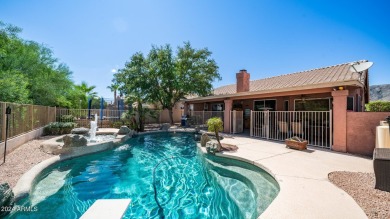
x: 305, y: 191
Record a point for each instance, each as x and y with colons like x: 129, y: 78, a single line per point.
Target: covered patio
x: 305, y: 104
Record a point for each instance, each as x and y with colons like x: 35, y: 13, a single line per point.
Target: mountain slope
x: 380, y: 92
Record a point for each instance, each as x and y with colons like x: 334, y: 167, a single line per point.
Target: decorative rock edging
x: 24, y: 184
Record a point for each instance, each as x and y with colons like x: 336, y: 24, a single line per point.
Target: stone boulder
x: 74, y: 141
x: 212, y: 146
x: 54, y: 149
x: 204, y: 139
x: 6, y: 199
x: 80, y: 131
x: 124, y: 130
x: 165, y: 127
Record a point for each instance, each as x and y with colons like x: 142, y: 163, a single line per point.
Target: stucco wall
x: 164, y: 116
x: 361, y: 131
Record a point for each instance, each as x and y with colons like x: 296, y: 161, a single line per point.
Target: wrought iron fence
x: 83, y: 117
x: 24, y: 118
x: 201, y: 117
x: 313, y: 126
x: 112, y: 118
x: 27, y: 117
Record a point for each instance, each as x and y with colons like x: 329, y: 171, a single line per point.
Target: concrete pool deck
x: 305, y: 191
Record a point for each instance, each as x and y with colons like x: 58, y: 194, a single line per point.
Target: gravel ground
x: 375, y: 203
x: 21, y: 160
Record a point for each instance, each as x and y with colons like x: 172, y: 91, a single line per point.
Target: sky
x: 265, y: 37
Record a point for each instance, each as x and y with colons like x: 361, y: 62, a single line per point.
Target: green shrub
x: 378, y: 106
x: 59, y: 128
x: 117, y: 125
x: 67, y: 118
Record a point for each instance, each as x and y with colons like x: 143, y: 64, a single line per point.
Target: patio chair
x: 297, y: 129
x: 381, y: 158
x: 283, y: 129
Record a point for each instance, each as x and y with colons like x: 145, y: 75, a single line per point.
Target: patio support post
x: 340, y: 120
x: 226, y: 116
x: 185, y: 109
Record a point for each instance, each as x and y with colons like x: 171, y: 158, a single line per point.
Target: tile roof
x: 325, y: 75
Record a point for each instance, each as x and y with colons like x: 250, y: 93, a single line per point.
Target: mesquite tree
x: 165, y: 78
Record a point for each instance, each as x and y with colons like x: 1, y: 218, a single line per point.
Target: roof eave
x: 306, y: 87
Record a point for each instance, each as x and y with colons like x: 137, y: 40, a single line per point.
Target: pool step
x: 107, y: 209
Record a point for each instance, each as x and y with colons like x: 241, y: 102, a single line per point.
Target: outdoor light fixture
x: 303, y: 98
x: 7, y: 113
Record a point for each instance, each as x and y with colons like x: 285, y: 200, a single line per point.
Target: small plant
x: 378, y: 106
x: 67, y: 118
x: 215, y: 125
x: 129, y: 119
x: 59, y: 128
x: 117, y: 125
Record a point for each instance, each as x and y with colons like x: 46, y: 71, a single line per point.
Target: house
x: 309, y: 104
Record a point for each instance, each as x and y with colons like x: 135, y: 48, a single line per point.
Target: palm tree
x: 86, y: 92
x: 114, y: 87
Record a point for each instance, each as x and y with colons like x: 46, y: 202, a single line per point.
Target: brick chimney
x: 242, y: 81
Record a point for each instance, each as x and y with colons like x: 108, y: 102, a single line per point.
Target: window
x: 217, y: 107
x: 312, y: 104
x: 350, y: 103
x: 260, y: 105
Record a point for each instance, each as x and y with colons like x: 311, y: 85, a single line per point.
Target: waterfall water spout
x: 92, y: 130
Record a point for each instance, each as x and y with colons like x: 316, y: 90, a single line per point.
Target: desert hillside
x: 380, y: 92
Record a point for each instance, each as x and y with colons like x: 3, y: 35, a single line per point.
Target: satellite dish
x: 358, y: 67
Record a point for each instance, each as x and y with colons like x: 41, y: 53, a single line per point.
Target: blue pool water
x: 188, y: 184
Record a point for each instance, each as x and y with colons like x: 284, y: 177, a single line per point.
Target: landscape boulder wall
x: 74, y: 141
x: 165, y: 127
x: 124, y: 130
x: 80, y: 131
x: 6, y: 199
x: 212, y: 146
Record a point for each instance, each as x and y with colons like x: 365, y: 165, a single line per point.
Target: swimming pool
x: 185, y: 183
